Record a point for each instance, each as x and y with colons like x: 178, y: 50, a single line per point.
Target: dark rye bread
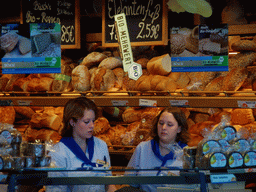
x: 42, y: 41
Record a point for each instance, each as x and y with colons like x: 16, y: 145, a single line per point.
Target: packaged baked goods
x: 177, y: 44
x: 214, y: 159
x: 234, y: 158
x: 249, y: 158
x: 189, y: 157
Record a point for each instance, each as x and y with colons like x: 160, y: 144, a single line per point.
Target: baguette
x: 160, y: 65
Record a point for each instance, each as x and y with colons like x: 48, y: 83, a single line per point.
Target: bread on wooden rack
x: 160, y: 65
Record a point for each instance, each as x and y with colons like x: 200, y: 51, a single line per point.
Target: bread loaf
x: 242, y: 59
x: 160, y: 65
x: 103, y: 79
x: 93, y: 59
x: 177, y: 43
x: 21, y: 84
x: 242, y: 116
x: 143, y: 62
x: 3, y: 81
x: 234, y: 79
x: 26, y: 112
x: 119, y: 73
x: 7, y: 115
x: 40, y: 120
x: 181, y: 79
x: 81, y: 78
x: 244, y: 45
x: 111, y: 63
x: 39, y: 84
x: 14, y: 77
x: 101, y: 125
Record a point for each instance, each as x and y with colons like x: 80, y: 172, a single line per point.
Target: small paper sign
x: 124, y: 40
x: 179, y: 103
x: 246, y: 104
x: 117, y: 103
x: 147, y: 103
x: 24, y: 102
x: 223, y: 178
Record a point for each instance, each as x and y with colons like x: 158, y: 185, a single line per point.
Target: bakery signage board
x: 65, y: 12
x: 31, y: 48
x: 199, y: 48
x: 147, y: 21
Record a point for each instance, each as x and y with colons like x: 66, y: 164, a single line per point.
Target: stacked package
x: 223, y: 146
x: 16, y: 154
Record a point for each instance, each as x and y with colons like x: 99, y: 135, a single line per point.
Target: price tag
x: 117, y: 103
x: 179, y: 103
x: 246, y: 104
x: 223, y: 178
x: 147, y: 103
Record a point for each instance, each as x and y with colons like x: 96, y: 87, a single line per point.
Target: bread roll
x: 81, y: 78
x: 103, y: 79
x: 93, y: 59
x: 160, y: 65
x: 111, y: 63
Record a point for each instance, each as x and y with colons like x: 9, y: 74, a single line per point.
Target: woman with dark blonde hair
x: 170, y: 136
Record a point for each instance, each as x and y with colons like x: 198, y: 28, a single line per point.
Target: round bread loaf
x: 81, y: 78
x: 93, y: 59
x: 111, y: 63
x: 177, y: 43
x: 103, y: 79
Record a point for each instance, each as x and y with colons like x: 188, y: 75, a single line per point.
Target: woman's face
x: 167, y: 128
x: 84, y: 126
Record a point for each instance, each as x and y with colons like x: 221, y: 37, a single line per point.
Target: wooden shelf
x: 180, y: 99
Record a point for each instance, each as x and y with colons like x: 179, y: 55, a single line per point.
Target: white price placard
x: 147, y: 103
x: 179, y: 103
x: 116, y: 103
x: 223, y: 178
x: 246, y: 104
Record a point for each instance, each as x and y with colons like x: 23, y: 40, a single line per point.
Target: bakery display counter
x: 39, y: 177
x: 197, y: 99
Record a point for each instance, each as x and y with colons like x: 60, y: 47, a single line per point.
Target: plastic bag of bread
x: 215, y: 159
x: 8, y: 41
x: 206, y: 145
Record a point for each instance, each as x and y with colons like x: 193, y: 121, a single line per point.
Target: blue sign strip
x: 31, y: 70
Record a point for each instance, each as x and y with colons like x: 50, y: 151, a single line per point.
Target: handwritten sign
x: 48, y: 11
x: 147, y: 22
